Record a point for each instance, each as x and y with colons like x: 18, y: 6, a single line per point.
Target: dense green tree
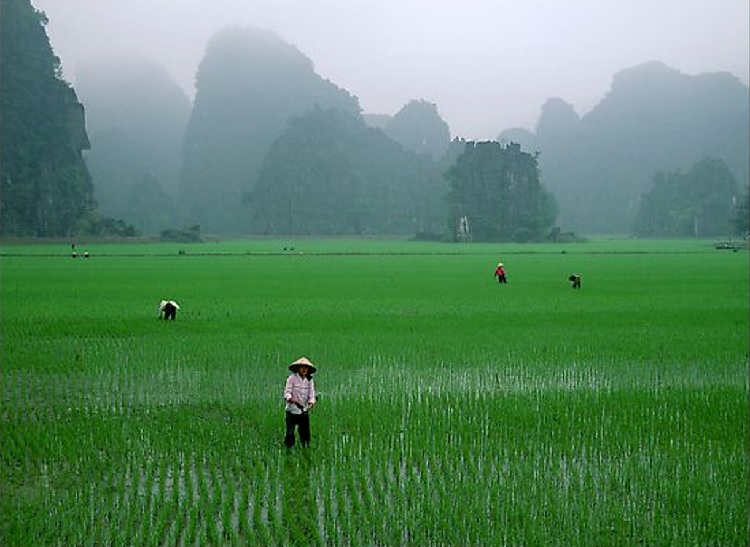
x: 45, y: 187
x: 699, y: 203
x: 497, y: 189
x: 329, y: 173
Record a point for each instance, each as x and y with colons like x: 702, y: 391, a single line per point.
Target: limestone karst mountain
x: 654, y: 118
x: 248, y: 86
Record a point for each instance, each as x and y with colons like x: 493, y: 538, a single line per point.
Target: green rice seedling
x: 611, y: 415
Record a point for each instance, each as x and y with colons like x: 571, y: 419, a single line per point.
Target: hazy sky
x: 488, y: 64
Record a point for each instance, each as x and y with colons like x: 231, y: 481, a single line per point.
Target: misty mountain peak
x: 654, y: 91
x: 645, y: 74
x: 655, y: 118
x: 238, y: 49
x: 418, y: 127
x: 132, y: 91
x: 250, y: 84
x: 558, y: 117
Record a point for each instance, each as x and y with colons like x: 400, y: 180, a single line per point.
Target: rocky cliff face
x: 44, y: 182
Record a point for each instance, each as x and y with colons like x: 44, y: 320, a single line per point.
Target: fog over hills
x: 136, y: 115
x: 654, y: 118
x: 251, y: 83
x: 165, y: 153
x: 488, y: 65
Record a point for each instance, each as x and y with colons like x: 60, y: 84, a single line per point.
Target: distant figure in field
x: 500, y: 273
x: 575, y: 281
x: 168, y: 309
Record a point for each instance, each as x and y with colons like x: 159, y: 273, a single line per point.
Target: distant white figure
x: 464, y: 231
x: 168, y: 309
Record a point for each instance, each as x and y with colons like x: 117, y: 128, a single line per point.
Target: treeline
x: 703, y: 202
x: 496, y: 189
x: 331, y: 174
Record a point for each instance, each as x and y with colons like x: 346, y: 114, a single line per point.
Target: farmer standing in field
x: 299, y: 395
x: 500, y: 273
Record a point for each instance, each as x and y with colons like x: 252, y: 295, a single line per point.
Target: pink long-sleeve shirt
x: 301, y: 390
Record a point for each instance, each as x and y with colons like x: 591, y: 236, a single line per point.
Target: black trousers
x: 170, y: 312
x: 300, y: 422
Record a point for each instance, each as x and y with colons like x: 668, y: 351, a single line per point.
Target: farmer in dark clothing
x: 168, y: 309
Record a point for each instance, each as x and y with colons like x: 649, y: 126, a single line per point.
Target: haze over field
x: 487, y: 65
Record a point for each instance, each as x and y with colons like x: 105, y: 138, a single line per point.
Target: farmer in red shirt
x: 500, y: 273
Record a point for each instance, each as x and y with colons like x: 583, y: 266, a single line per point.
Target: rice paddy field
x: 453, y: 411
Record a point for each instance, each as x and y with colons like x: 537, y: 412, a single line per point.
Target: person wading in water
x: 299, y: 395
